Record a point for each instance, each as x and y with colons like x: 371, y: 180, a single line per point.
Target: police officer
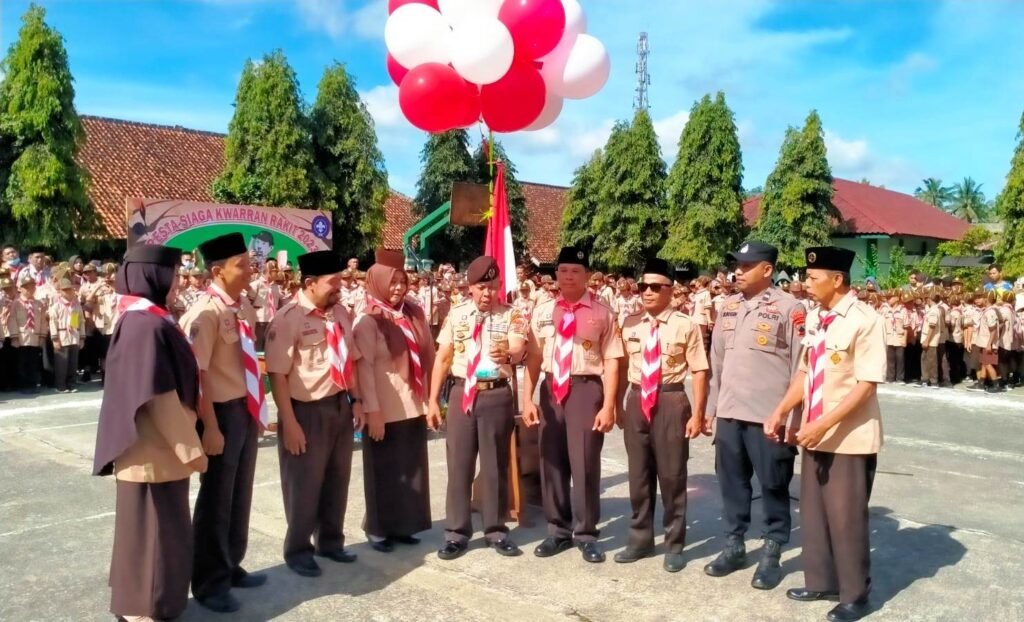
x: 841, y: 435
x: 661, y: 346
x: 755, y: 352
x: 479, y: 342
x: 311, y: 362
x: 574, y: 341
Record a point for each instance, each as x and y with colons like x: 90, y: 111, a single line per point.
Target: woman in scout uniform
x: 66, y: 331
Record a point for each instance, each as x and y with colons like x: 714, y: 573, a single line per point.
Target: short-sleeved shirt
x: 682, y: 348
x: 932, y: 329
x: 265, y: 298
x: 595, y: 340
x: 1007, y: 334
x: 955, y: 320
x: 985, y: 325
x: 458, y: 332
x: 66, y: 322
x: 702, y: 307
x: 297, y: 348
x: 18, y: 322
x: 854, y: 352
x: 627, y: 306
x: 212, y: 327
x: 896, y: 322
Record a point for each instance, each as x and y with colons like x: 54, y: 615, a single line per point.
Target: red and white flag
x: 499, y: 236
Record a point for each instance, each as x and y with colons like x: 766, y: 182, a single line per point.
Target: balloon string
x: 490, y: 157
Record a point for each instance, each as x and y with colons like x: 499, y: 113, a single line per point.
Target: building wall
x: 913, y: 247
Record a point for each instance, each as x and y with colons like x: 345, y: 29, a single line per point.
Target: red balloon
x: 536, y: 25
x: 432, y: 97
x: 394, y: 4
x: 515, y: 101
x: 469, y: 105
x: 395, y: 70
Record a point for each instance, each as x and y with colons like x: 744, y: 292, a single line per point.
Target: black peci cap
x: 482, y: 270
x: 223, y: 247
x: 573, y: 255
x: 659, y: 267
x: 829, y: 258
x: 753, y: 251
x: 155, y: 254
x: 320, y: 263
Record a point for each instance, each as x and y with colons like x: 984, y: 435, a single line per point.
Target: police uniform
x: 569, y: 446
x: 657, y: 446
x: 755, y: 350
x: 221, y: 519
x: 486, y: 430
x: 315, y: 483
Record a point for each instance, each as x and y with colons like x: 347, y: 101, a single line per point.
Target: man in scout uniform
x: 933, y: 342
x: 8, y: 354
x: 265, y: 296
x: 28, y: 329
x: 478, y: 344
x: 841, y: 435
x: 232, y: 409
x: 755, y: 352
x: 311, y: 362
x: 661, y: 346
x: 574, y: 341
x: 65, y: 317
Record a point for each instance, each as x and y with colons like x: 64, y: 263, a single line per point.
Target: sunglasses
x: 654, y: 287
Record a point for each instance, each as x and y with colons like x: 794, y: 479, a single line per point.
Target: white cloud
x: 854, y: 159
x: 668, y: 131
x: 326, y: 15
x: 904, y: 72
x: 368, y: 20
x: 382, y: 102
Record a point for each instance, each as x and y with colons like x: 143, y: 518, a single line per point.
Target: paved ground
x: 947, y: 534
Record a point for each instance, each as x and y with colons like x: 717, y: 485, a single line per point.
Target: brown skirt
x: 397, y: 480
x: 152, y: 559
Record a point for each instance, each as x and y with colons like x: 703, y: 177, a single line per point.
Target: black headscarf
x: 148, y: 356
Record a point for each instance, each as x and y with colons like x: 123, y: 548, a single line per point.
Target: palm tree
x: 968, y: 201
x: 934, y: 193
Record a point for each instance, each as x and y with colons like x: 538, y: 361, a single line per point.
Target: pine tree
x: 268, y: 156
x: 705, y: 188
x: 43, y: 191
x: 796, y: 209
x: 354, y: 182
x: 446, y: 160
x: 581, y: 204
x: 473, y: 244
x: 629, y: 224
x: 1010, y: 207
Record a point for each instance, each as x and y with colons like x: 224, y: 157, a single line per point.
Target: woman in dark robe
x: 394, y: 371
x: 147, y: 439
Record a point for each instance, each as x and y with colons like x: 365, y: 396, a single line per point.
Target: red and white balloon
x: 511, y: 63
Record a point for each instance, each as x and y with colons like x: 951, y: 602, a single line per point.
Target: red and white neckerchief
x: 271, y: 299
x: 650, y: 372
x: 124, y: 304
x: 469, y: 394
x: 816, y: 367
x: 69, y: 310
x: 562, y: 364
x: 255, y: 398
x: 30, y: 315
x: 337, y: 350
x: 403, y: 323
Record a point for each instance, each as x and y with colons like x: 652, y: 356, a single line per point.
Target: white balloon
x: 575, y: 18
x: 552, y: 108
x: 417, y: 34
x: 587, y: 69
x: 457, y: 10
x: 553, y: 65
x: 482, y: 49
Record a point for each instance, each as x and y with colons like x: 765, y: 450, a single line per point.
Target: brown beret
x: 482, y: 270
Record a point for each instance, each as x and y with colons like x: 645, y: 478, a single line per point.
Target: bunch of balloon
x: 511, y: 63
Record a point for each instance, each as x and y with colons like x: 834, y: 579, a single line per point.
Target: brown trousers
x: 834, y: 494
x: 487, y: 431
x: 315, y: 483
x: 221, y: 517
x: 657, y: 452
x: 570, y: 450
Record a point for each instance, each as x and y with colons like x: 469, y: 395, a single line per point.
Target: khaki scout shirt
x: 682, y: 348
x: 385, y: 385
x: 932, y: 329
x: 260, y: 293
x: 297, y: 348
x: 755, y: 351
x: 166, y: 442
x: 106, y: 310
x: 702, y: 307
x: 17, y: 324
x: 212, y: 328
x: 985, y: 325
x: 66, y: 322
x: 458, y: 331
x: 1007, y: 334
x: 956, y: 324
x: 895, y: 323
x: 595, y: 340
x: 854, y: 352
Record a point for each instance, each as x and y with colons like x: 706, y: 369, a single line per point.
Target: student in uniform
x: 311, y: 356
x: 479, y: 343
x: 932, y: 342
x: 955, y: 345
x: 232, y: 410
x: 147, y: 439
x: 265, y: 296
x: 841, y: 435
x: 662, y: 346
x: 28, y: 329
x: 8, y: 353
x: 1007, y: 337
x: 65, y: 330
x: 574, y: 341
x: 896, y: 322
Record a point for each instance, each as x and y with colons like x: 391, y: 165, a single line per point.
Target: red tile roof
x: 398, y: 218
x: 870, y: 210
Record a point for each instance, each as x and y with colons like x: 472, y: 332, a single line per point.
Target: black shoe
x: 552, y: 546
x: 339, y: 555
x: 630, y: 555
x: 769, y: 571
x: 382, y: 546
x: 305, y: 567
x: 977, y: 386
x: 674, y: 562
x: 506, y: 548
x: 732, y: 558
x: 849, y: 612
x: 592, y: 553
x: 453, y: 550
x: 221, y: 603
x: 805, y: 595
x: 242, y: 579
x: 406, y: 540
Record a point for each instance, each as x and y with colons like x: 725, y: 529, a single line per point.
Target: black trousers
x: 221, y: 518
x: 30, y: 366
x: 657, y: 452
x: 315, y: 483
x: 570, y: 451
x: 955, y: 361
x: 912, y: 362
x: 8, y: 366
x: 930, y: 365
x: 49, y: 377
x: 894, y: 371
x: 741, y: 450
x: 65, y: 367
x: 260, y: 336
x: 485, y: 432
x: 834, y: 494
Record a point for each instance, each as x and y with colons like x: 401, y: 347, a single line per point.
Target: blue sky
x: 906, y: 88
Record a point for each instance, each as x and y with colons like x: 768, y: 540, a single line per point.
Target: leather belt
x: 577, y: 379
x: 676, y: 387
x: 485, y: 385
